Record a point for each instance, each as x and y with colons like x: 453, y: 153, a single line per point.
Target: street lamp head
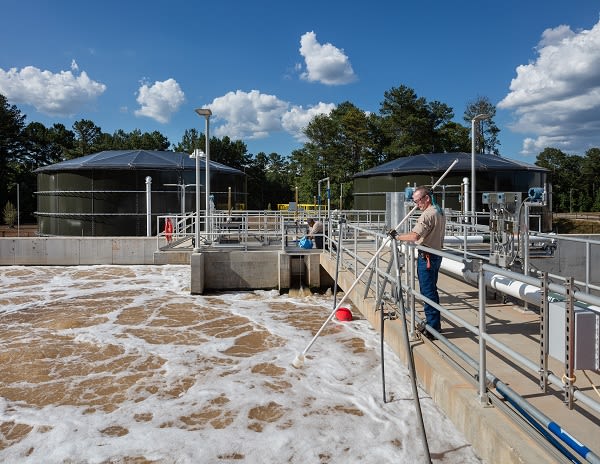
x: 203, y: 112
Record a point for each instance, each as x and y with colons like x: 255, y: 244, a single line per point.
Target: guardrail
x: 357, y: 253
x: 361, y: 233
x: 252, y: 229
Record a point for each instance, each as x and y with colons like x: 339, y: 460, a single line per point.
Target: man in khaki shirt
x: 428, y: 231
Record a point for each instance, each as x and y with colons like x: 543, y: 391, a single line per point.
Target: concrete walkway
x: 453, y: 385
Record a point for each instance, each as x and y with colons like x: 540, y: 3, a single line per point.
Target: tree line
x: 339, y: 144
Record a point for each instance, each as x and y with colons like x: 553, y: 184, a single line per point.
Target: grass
x: 575, y: 226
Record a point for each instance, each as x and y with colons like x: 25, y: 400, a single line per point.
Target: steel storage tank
x: 493, y: 173
x: 104, y: 194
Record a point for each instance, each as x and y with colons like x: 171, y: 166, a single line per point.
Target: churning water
x: 120, y: 364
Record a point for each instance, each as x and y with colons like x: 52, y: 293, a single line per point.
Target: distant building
x: 104, y: 194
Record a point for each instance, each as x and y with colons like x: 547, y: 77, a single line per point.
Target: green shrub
x: 10, y: 214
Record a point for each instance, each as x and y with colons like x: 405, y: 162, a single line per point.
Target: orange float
x: 168, y: 230
x: 343, y: 314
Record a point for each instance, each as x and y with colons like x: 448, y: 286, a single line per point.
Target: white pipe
x: 466, y: 196
x: 148, y: 206
x: 526, y: 292
x: 454, y: 240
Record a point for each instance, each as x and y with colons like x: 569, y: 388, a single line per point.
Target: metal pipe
x: 408, y: 350
x: 206, y: 113
x: 483, y: 399
x: 148, y: 206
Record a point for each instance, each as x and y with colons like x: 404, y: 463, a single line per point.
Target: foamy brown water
x: 107, y: 364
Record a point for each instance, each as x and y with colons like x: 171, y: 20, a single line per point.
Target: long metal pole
x: 299, y: 360
x: 473, y: 121
x: 409, y: 352
x: 197, y: 224
x: 207, y: 172
x: 149, y: 206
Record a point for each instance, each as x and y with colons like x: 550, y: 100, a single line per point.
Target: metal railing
x: 362, y: 235
x: 361, y: 242
x: 253, y: 229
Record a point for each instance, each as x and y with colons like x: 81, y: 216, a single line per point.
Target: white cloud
x: 324, y: 63
x: 55, y: 94
x: 160, y: 100
x: 248, y: 114
x: 557, y: 97
x: 297, y: 118
x: 255, y: 115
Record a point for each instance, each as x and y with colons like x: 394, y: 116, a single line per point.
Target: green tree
x: 154, y: 141
x: 257, y: 181
x: 190, y: 141
x: 452, y: 137
x: 486, y: 130
x: 87, y: 134
x: 12, y: 123
x: 231, y: 153
x: 42, y: 146
x: 590, y: 173
x: 407, y: 122
x: 268, y: 181
x: 339, y: 144
x: 565, y: 178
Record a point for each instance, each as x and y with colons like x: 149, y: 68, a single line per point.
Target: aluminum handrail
x: 351, y: 259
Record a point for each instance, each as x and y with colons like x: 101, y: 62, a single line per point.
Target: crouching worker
x: 428, y: 231
x: 315, y: 232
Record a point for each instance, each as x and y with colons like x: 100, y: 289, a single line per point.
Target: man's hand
x: 392, y: 233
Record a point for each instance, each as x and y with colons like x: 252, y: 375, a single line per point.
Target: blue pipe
x: 553, y: 427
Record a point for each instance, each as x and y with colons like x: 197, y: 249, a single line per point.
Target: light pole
x: 479, y: 117
x: 206, y: 113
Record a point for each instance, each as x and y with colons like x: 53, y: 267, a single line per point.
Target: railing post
x: 568, y: 376
x: 355, y: 252
x: 483, y: 395
x: 410, y: 253
x: 544, y: 327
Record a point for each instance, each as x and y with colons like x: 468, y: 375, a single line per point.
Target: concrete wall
x: 239, y: 270
x: 74, y: 251
x: 569, y: 259
x: 248, y: 270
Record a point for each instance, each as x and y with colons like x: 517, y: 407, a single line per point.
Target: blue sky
x: 265, y: 68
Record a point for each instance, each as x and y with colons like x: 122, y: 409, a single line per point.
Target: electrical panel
x: 587, y: 336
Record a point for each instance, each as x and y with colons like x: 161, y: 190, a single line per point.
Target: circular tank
x: 493, y: 174
x: 104, y: 194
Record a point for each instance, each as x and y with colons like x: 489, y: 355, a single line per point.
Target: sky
x: 122, y: 364
x: 265, y: 68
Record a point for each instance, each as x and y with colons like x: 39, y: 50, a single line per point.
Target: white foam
x: 331, y: 410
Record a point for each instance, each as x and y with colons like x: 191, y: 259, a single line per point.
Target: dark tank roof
x: 135, y: 159
x: 439, y: 162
